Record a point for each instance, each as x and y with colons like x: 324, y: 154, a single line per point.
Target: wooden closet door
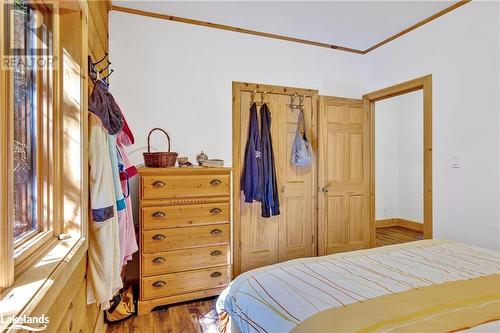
x: 295, y: 183
x: 258, y: 236
x: 343, y: 175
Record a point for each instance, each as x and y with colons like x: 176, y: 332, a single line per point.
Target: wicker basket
x: 159, y: 159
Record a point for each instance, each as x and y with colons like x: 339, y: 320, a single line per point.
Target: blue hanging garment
x: 251, y: 177
x: 302, y: 154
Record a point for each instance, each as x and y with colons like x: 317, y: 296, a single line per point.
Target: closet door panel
x: 296, y: 185
x: 258, y: 236
x: 336, y: 233
x: 343, y: 163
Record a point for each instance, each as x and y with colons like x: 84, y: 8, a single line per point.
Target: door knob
x: 283, y: 188
x: 324, y: 189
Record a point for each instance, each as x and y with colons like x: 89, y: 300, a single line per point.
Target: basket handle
x: 149, y: 136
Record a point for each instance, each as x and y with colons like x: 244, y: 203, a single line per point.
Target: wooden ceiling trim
x: 287, y: 38
x: 231, y: 28
x: 417, y: 25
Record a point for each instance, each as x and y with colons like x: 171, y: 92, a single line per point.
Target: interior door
x: 295, y: 183
x: 343, y: 175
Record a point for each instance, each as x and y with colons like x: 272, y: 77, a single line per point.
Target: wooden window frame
x: 18, y: 258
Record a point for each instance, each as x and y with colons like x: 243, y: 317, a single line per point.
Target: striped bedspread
x: 278, y: 298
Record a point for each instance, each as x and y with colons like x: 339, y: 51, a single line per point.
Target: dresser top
x: 182, y: 171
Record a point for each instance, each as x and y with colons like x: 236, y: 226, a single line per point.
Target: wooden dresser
x: 185, y: 229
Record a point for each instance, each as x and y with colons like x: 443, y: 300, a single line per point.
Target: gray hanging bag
x: 302, y: 154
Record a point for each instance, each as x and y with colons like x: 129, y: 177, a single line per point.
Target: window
x: 28, y: 130
x: 25, y: 124
x: 32, y: 146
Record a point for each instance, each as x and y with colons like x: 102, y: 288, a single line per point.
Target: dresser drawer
x: 181, y: 238
x: 184, y: 282
x: 184, y: 215
x: 183, y: 260
x: 164, y: 187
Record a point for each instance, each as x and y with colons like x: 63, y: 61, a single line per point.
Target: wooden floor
x: 197, y: 317
x: 396, y: 235
x: 201, y: 317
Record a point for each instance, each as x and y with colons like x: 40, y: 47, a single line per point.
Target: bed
x: 423, y: 286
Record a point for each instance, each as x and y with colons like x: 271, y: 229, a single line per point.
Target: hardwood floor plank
x: 396, y: 235
x: 192, y: 317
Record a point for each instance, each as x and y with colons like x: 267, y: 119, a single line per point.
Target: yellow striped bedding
x: 390, y: 289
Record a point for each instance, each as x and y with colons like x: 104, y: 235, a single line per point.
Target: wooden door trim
x: 238, y: 88
x: 423, y: 83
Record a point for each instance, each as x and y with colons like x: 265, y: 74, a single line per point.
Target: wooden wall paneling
x: 343, y: 175
x: 425, y: 84
x: 96, y: 38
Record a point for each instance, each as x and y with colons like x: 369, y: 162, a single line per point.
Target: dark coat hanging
x: 251, y: 177
x: 270, y: 197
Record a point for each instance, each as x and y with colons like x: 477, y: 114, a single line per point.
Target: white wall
x: 178, y: 76
x: 386, y: 159
x: 461, y: 51
x: 399, y: 157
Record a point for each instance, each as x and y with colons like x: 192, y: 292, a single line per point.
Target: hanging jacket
x: 251, y: 177
x: 103, y: 105
x: 106, y: 198
x: 128, y: 241
x: 104, y: 264
x: 270, y: 197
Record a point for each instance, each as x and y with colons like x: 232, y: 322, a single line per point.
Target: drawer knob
x: 216, y: 274
x: 215, y: 182
x: 158, y: 184
x: 159, y: 260
x: 158, y: 237
x: 215, y: 211
x: 216, y: 253
x: 216, y: 232
x: 159, y: 284
x: 159, y: 214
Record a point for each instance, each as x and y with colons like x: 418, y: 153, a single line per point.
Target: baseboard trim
x: 396, y: 221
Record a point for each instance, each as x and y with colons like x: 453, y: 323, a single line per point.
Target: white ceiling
x: 354, y: 24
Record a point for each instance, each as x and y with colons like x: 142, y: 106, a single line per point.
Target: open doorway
x: 401, y: 162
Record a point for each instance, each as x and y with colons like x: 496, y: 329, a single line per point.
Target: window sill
x: 46, y: 276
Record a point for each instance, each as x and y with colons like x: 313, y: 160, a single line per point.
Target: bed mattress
x: 430, y: 283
